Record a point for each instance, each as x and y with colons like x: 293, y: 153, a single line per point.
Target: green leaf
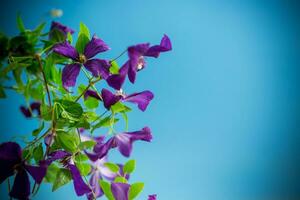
x: 20, y: 23
x: 113, y: 167
x: 27, y: 153
x: 87, y: 144
x: 120, y: 179
x: 71, y: 110
x: 114, y: 68
x: 129, y: 166
x: 2, y: 92
x: 51, y: 174
x: 84, y: 168
x: 69, y: 141
x: 69, y: 38
x: 135, y: 190
x: 46, y: 112
x: 81, y: 157
x: 81, y: 42
x: 63, y: 177
x: 38, y: 153
x: 83, y: 29
x: 105, y: 122
x: 37, y: 131
x: 119, y: 107
x: 106, y: 189
x: 125, y: 117
x: 91, y: 103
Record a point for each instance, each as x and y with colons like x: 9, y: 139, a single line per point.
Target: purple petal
x: 120, y: 190
x: 56, y: 155
x: 26, y: 112
x: 21, y: 187
x: 98, y: 67
x: 91, y: 93
x: 67, y: 50
x: 142, y: 99
x: 37, y: 172
x: 36, y: 106
x: 70, y: 74
x: 56, y: 26
x: 124, y: 144
x: 116, y: 80
x: 94, y: 183
x: 80, y: 187
x: 165, y: 45
x: 152, y: 197
x: 109, y: 98
x: 102, y: 149
x: 144, y: 134
x: 95, y: 46
x: 10, y: 155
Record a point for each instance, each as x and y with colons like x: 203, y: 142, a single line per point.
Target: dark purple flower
x: 138, y: 53
x: 56, y: 26
x: 79, y: 185
x: 152, y: 197
x: 136, y: 62
x: 96, y: 66
x: 120, y: 190
x: 109, y: 98
x: 11, y: 162
x: 34, y: 107
x: 123, y: 141
x: 91, y: 93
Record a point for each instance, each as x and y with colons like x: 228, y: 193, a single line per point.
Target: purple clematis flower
x: 123, y: 141
x: 11, y: 162
x: 152, y: 197
x: 56, y: 26
x: 35, y: 106
x: 136, y: 62
x: 142, y: 99
x: 120, y: 191
x: 80, y: 187
x: 97, y: 67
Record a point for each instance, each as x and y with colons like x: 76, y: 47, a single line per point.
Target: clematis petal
x: 66, y: 50
x: 36, y: 106
x: 26, y: 112
x: 21, y: 187
x: 56, y: 155
x: 98, y: 67
x: 165, y: 45
x: 94, y: 183
x: 124, y: 144
x: 80, y: 187
x: 56, y: 26
x: 37, y: 172
x: 144, y: 134
x: 120, y: 190
x: 116, y: 80
x: 95, y: 46
x: 10, y: 155
x: 101, y: 149
x: 142, y: 99
x: 91, y: 93
x: 152, y: 197
x: 109, y: 98
x: 70, y: 74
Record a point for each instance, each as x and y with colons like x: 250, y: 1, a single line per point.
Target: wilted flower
x: 58, y: 27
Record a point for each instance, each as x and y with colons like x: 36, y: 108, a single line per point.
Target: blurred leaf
x: 51, y: 175
x: 37, y: 131
x: 119, y: 107
x: 113, y: 167
x: 38, y: 153
x: 71, y: 110
x: 125, y: 117
x: 114, y: 68
x: 80, y: 157
x: 129, y: 167
x: 135, y: 190
x: 69, y: 141
x: 87, y: 144
x: 2, y: 92
x: 63, y: 177
x: 83, y: 29
x: 69, y: 37
x: 20, y: 23
x: 106, y: 122
x: 46, y: 112
x: 120, y: 179
x: 91, y: 103
x: 84, y: 168
x: 106, y: 189
x: 81, y: 43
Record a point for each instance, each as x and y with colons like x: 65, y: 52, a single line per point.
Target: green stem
x: 119, y: 56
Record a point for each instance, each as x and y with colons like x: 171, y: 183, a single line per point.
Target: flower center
x: 141, y: 63
x: 120, y: 93
x: 82, y: 58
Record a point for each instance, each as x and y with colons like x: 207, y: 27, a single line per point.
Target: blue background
x: 225, y: 117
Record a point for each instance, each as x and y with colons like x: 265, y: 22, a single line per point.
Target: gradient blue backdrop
x: 225, y: 117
